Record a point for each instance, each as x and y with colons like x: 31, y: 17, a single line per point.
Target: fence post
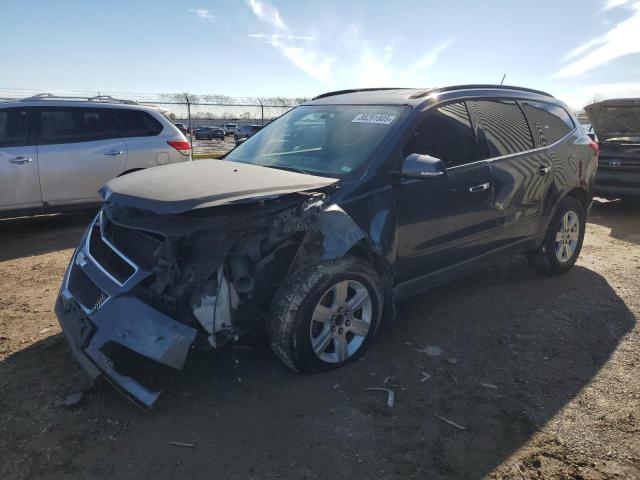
x: 186, y: 97
x: 261, y: 112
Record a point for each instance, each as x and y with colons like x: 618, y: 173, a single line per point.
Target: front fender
x: 331, y: 235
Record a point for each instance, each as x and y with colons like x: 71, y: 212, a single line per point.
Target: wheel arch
x: 581, y: 195
x: 131, y: 170
x: 363, y: 250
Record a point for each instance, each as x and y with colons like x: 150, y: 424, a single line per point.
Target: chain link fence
x: 191, y: 111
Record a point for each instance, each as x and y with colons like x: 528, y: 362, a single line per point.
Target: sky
x: 575, y: 50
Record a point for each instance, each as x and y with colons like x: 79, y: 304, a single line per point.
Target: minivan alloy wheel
x: 567, y: 236
x: 341, y: 321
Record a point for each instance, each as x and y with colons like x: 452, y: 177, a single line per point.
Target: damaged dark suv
x: 317, y: 224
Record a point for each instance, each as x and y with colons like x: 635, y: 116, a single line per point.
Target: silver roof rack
x: 97, y: 99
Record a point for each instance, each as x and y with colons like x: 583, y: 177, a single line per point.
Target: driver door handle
x: 114, y: 153
x: 480, y: 188
x: 542, y: 171
x: 20, y: 160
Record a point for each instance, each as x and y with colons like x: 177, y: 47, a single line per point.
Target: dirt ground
x: 540, y: 375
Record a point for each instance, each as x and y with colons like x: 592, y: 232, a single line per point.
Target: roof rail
x: 97, y: 98
x: 478, y: 86
x: 354, y: 90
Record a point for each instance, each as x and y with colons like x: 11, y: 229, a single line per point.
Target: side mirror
x: 422, y: 167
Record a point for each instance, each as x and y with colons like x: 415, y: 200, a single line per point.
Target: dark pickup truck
x: 616, y: 122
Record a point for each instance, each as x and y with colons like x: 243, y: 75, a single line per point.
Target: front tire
x: 326, y: 316
x: 563, y: 241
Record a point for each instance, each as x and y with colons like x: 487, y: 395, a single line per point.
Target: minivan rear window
x: 549, y: 123
x: 13, y: 127
x: 501, y: 126
x: 135, y: 123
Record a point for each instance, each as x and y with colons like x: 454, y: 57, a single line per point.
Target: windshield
x: 331, y: 140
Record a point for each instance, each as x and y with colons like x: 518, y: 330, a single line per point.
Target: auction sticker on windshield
x: 373, y: 118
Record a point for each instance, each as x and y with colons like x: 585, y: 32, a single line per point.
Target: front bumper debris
x: 143, y: 288
x: 151, y: 334
x: 99, y: 315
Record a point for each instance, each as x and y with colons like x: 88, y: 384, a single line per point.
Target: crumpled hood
x: 615, y: 118
x: 181, y: 187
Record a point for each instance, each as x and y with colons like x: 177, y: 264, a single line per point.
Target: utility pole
x: 261, y: 112
x: 186, y: 97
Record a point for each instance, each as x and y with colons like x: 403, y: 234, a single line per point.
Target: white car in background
x: 230, y: 128
x: 56, y: 152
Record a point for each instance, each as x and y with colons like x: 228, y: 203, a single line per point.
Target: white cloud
x: 202, y: 13
x: 623, y: 39
x: 269, y: 37
x: 611, y: 4
x: 431, y: 57
x: 267, y: 13
x: 346, y: 59
x: 310, y: 62
x: 373, y: 68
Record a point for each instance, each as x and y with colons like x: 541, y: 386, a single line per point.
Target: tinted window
x: 13, y: 127
x: 549, y: 123
x: 445, y: 134
x: 501, y: 126
x: 135, y: 123
x: 72, y: 125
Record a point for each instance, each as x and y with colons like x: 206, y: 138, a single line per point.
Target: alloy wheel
x: 567, y: 236
x: 341, y: 321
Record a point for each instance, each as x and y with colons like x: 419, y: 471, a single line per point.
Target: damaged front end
x: 143, y: 288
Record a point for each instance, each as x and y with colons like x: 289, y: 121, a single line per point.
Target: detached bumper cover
x: 132, y: 324
x: 116, y: 318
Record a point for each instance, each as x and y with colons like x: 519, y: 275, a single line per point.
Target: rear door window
x: 136, y: 123
x: 73, y: 125
x: 446, y: 134
x: 549, y: 123
x: 13, y: 127
x: 501, y: 127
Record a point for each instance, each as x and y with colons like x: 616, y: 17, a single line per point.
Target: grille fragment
x: 87, y: 293
x: 107, y: 258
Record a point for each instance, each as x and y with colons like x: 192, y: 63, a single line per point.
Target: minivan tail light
x: 182, y: 146
x: 596, y: 147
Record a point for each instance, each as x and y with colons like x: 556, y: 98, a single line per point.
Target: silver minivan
x: 55, y: 153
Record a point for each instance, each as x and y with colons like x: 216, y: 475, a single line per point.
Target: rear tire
x: 326, y: 316
x: 563, y: 241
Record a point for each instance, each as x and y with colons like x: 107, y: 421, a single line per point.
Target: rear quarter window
x: 549, y: 123
x: 136, y: 123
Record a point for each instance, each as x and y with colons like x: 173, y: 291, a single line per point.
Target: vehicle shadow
x: 509, y: 349
x: 622, y: 219
x: 27, y: 236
